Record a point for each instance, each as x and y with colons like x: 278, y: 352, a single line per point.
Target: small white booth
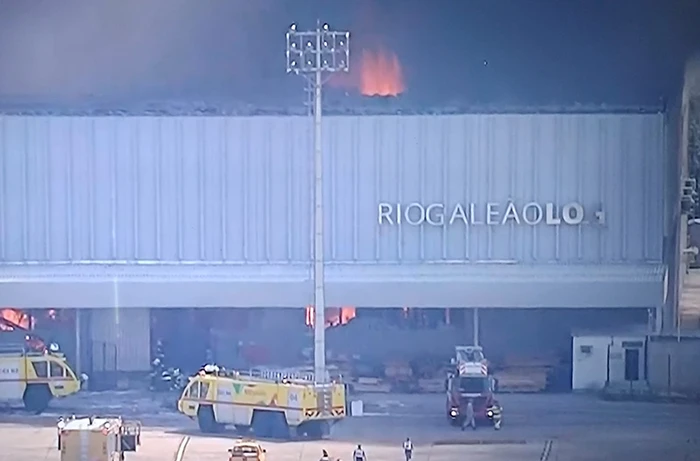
x: 602, y: 358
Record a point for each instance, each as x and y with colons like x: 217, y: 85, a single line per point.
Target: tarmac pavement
x: 566, y: 427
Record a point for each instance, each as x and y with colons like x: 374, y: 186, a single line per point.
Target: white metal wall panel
x: 609, y: 162
x: 120, y: 338
x: 238, y: 189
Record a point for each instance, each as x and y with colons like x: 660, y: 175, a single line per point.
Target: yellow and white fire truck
x: 279, y: 404
x: 34, y: 378
x: 97, y: 439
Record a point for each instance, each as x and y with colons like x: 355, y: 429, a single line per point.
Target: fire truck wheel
x: 271, y: 424
x: 206, y: 421
x: 316, y: 430
x: 36, y: 398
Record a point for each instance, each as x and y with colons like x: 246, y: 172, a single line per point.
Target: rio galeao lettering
x: 490, y: 214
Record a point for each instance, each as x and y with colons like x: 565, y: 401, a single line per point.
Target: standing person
x: 469, y: 417
x: 408, y: 449
x: 359, y: 454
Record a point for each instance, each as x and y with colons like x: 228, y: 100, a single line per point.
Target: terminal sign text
x: 490, y: 214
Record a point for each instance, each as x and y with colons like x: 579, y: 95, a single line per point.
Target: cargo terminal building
x: 132, y: 228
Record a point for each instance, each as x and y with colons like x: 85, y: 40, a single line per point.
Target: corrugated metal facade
x: 238, y: 189
x: 120, y: 339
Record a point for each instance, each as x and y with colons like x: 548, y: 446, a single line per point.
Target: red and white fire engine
x: 471, y: 399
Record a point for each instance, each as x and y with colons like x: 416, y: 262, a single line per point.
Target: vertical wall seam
x: 48, y: 253
x: 581, y: 130
x: 490, y: 167
x: 288, y: 200
x: 180, y: 188
x: 333, y: 192
x: 92, y: 191
x: 467, y: 136
x: 624, y: 160
x: 70, y: 219
x: 223, y: 206
x: 398, y: 154
x: 422, y: 163
x: 512, y: 155
x: 376, y: 153
x: 245, y: 184
x: 201, y: 153
x: 135, y: 140
x: 445, y: 133
x: 158, y: 185
x: 646, y: 185
x: 266, y: 201
x: 602, y: 170
x: 113, y: 199
x: 557, y: 183
x: 477, y: 184
x: 356, y: 190
x: 535, y: 147
x: 24, y: 177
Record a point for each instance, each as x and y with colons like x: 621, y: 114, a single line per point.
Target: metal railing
x: 296, y: 375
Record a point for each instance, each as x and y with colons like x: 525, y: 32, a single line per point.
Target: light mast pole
x: 314, y: 55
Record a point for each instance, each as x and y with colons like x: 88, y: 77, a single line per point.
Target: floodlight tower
x: 316, y: 55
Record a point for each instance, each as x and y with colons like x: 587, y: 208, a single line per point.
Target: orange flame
x: 334, y: 315
x: 12, y: 318
x: 381, y: 74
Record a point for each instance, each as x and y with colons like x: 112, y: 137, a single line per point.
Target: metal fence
x: 674, y: 366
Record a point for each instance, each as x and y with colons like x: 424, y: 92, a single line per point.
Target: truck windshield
x: 473, y: 385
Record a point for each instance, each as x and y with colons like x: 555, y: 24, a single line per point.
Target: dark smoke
x: 72, y: 48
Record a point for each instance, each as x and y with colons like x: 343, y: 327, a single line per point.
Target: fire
x: 14, y: 318
x: 381, y: 74
x: 334, y: 315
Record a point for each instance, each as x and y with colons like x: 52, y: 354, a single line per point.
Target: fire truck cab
x: 34, y: 378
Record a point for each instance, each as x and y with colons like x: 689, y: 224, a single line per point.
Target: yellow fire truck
x: 97, y: 439
x: 269, y: 405
x: 34, y: 378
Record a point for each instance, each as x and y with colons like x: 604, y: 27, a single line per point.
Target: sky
x: 622, y: 52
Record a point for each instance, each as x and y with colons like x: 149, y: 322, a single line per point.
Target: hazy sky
x: 521, y: 51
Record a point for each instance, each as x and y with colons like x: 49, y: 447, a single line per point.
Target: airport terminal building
x: 115, y: 218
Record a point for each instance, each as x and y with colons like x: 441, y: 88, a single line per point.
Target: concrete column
x: 78, y: 342
x: 475, y: 325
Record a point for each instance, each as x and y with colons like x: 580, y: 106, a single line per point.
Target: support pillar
x: 78, y: 342
x: 658, y: 319
x: 475, y: 325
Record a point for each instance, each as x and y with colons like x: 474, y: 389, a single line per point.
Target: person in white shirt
x: 408, y: 449
x: 359, y: 454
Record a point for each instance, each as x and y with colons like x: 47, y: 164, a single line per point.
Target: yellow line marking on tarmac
x: 180, y: 453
